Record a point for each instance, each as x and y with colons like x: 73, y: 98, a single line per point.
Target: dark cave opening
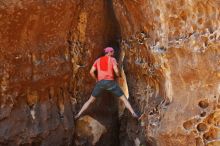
x: 112, y: 29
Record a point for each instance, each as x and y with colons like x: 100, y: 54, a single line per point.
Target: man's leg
x: 128, y: 106
x: 116, y: 91
x: 85, y: 106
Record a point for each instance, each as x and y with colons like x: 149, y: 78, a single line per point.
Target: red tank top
x: 104, y: 66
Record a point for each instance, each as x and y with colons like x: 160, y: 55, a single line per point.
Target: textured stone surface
x: 172, y: 56
x: 46, y: 51
x: 171, y: 62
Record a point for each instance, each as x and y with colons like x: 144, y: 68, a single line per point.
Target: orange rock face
x: 46, y: 51
x: 172, y: 65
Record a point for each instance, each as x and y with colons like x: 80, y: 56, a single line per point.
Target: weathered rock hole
x: 208, y: 24
x: 189, y: 124
x: 202, y: 127
x: 194, y: 26
x: 204, y: 104
x: 176, y: 33
x: 200, y: 9
x: 211, y: 37
x: 157, y: 13
x: 168, y: 5
x: 183, y: 15
x: 182, y: 2
x: 211, y: 134
x: 203, y: 114
x: 200, y: 21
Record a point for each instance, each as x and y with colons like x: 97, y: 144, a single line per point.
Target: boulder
x: 88, y: 130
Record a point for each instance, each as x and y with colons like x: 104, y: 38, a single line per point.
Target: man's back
x: 104, y: 66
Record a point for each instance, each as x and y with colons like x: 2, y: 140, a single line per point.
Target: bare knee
x: 92, y: 99
x: 122, y: 98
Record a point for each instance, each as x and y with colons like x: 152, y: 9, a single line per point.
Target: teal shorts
x: 109, y: 86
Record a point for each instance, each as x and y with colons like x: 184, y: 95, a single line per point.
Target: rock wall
x: 171, y: 61
x: 46, y: 51
x: 172, y: 65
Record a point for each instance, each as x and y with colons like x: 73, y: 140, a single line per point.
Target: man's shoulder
x: 113, y: 58
x: 105, y: 57
x: 95, y: 62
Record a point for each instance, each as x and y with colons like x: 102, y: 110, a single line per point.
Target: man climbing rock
x: 106, y: 66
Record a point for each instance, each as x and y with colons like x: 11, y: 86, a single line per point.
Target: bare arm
x: 115, y: 67
x: 92, y: 73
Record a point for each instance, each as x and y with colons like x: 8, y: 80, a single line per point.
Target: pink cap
x: 108, y: 49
